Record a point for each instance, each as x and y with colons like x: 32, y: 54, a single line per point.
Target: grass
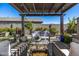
x: 4, y: 39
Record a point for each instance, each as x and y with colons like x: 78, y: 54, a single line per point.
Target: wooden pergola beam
x: 13, y: 5
x: 37, y: 14
x: 25, y: 7
x: 60, y: 7
x: 69, y: 8
x: 51, y: 7
x: 43, y: 7
x: 34, y: 7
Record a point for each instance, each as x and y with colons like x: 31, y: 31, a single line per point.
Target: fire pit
x: 38, y: 50
x: 39, y: 53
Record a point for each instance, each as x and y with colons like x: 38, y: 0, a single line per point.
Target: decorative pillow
x: 74, y: 49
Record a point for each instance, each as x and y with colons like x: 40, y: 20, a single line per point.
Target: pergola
x: 43, y: 9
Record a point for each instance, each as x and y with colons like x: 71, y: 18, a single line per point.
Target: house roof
x: 7, y: 19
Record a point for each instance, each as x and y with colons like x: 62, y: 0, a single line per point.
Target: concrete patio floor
x: 4, y: 47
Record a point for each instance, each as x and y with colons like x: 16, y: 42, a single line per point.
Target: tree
x: 29, y: 26
x: 71, y: 26
x: 53, y: 31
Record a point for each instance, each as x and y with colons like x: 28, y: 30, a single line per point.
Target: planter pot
x: 62, y: 38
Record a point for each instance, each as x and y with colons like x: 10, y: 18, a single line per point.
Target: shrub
x: 53, y: 31
x: 38, y: 29
x: 29, y: 26
x: 67, y: 38
x: 45, y: 29
x: 3, y: 29
x: 7, y: 29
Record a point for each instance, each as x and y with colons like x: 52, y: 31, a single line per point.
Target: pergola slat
x: 60, y: 7
x: 25, y: 7
x: 51, y: 7
x: 69, y: 7
x: 34, y: 7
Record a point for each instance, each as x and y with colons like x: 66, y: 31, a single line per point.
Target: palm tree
x: 71, y: 26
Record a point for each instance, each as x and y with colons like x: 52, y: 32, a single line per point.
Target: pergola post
x: 22, y: 23
x: 78, y: 28
x: 62, y: 27
x: 61, y: 24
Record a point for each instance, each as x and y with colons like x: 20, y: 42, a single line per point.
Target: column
x: 61, y: 25
x: 61, y: 29
x: 22, y: 23
x: 78, y: 28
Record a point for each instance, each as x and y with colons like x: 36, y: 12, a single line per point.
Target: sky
x: 6, y: 10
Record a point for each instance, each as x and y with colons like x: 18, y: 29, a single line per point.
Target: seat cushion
x: 74, y: 49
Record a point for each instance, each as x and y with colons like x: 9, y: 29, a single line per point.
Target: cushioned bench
x: 58, y: 48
